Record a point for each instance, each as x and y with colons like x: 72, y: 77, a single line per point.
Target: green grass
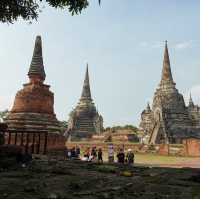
x: 158, y: 159
x: 154, y: 159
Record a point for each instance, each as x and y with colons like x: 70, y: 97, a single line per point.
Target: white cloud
x: 195, y: 92
x: 176, y: 45
x: 184, y: 45
x: 156, y: 44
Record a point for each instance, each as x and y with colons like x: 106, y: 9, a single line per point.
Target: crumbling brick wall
x: 192, y: 147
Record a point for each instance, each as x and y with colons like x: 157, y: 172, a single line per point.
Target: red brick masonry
x: 41, y: 142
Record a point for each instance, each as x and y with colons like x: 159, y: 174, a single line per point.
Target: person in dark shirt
x: 130, y: 157
x: 73, y: 152
x: 121, y: 156
x: 94, y: 153
x: 78, y: 151
x: 100, y: 155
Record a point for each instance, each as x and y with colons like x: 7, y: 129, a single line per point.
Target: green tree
x: 126, y: 127
x: 3, y: 115
x: 63, y: 126
x: 28, y: 10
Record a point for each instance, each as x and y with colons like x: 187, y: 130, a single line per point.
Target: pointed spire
x: 191, y: 103
x: 37, y: 67
x: 148, y: 108
x: 166, y: 71
x: 86, y: 93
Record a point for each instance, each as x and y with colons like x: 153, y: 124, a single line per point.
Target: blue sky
x: 123, y: 43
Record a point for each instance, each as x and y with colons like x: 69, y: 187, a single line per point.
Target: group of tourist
x: 122, y: 157
x: 95, y: 154
x: 125, y: 157
x: 73, y: 153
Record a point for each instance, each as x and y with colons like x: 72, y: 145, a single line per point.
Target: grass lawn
x: 150, y: 159
x: 154, y: 159
x: 157, y: 160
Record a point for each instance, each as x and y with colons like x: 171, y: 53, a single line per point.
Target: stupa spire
x: 191, y: 103
x: 148, y: 108
x: 166, y: 71
x: 86, y: 93
x: 37, y: 67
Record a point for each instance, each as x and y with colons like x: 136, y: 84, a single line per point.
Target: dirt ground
x: 82, y: 180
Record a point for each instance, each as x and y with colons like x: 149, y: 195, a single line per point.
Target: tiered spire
x: 86, y: 93
x: 166, y: 71
x: 191, y: 103
x: 148, y: 108
x: 37, y: 67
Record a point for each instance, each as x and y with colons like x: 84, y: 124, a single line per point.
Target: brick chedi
x: 85, y: 120
x: 33, y: 107
x: 170, y: 120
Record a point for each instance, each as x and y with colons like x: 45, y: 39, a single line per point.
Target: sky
x: 123, y: 43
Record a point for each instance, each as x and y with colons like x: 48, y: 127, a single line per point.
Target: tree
x: 126, y: 127
x: 3, y: 115
x: 28, y: 10
x: 63, y: 126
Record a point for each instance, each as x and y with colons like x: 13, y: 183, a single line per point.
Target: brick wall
x: 54, y: 141
x: 192, y: 147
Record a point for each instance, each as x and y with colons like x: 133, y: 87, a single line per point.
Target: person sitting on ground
x: 25, y: 158
x: 121, y: 156
x: 130, y: 157
x: 19, y: 156
x: 100, y: 155
x: 86, y: 154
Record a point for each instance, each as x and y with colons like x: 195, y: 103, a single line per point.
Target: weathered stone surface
x: 170, y: 121
x: 85, y: 120
x: 33, y: 106
x: 81, y: 180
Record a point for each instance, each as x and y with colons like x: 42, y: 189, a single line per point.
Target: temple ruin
x: 170, y: 120
x: 33, y: 108
x: 85, y: 120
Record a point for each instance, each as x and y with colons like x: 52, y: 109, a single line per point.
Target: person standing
x: 73, y: 152
x: 66, y: 153
x: 78, y: 151
x: 94, y: 153
x: 121, y: 156
x: 100, y: 156
x: 110, y: 153
x: 130, y: 157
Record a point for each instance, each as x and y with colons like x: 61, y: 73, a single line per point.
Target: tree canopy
x: 126, y: 127
x: 28, y: 10
x: 3, y: 115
